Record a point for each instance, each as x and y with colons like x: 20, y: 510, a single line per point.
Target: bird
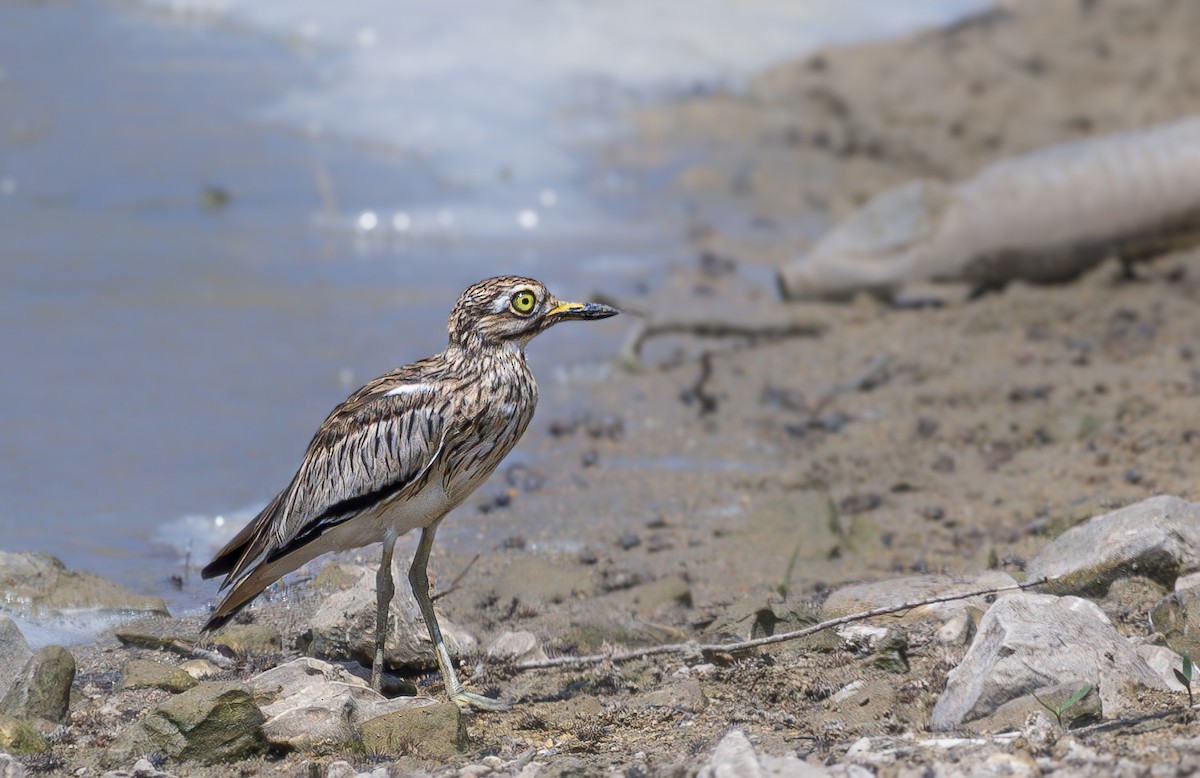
x: 402, y: 452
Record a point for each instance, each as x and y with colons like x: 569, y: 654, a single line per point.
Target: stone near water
x: 200, y: 669
x: 437, y: 730
x: 10, y: 767
x: 20, y: 737
x: 1028, y: 642
x: 344, y: 627
x: 313, y: 704
x: 45, y: 587
x: 249, y: 639
x: 43, y: 689
x: 147, y: 674
x: 213, y: 723
x: 1157, y: 538
x: 15, y: 653
x: 290, y: 677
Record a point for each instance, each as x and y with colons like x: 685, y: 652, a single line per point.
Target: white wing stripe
x: 409, y: 389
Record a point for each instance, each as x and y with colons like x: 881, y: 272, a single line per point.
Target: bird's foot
x: 471, y: 701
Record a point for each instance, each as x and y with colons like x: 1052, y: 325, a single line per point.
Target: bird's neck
x: 486, y: 353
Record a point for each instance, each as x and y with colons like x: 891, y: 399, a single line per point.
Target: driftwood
x: 1042, y: 217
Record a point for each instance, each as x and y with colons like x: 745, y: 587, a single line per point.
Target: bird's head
x: 511, y: 310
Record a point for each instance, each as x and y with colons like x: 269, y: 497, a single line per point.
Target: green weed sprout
x: 1184, y: 676
x: 1059, y: 710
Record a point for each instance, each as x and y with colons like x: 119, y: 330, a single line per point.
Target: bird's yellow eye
x: 524, y: 301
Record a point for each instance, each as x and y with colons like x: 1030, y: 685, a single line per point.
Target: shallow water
x: 220, y: 218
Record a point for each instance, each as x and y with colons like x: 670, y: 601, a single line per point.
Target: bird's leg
x: 418, y: 576
x: 385, y: 588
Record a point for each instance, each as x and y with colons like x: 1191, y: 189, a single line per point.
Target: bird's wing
x: 373, y: 447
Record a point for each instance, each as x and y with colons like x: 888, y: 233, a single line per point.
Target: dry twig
x: 731, y: 648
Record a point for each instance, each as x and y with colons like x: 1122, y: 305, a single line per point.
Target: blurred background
x: 219, y: 217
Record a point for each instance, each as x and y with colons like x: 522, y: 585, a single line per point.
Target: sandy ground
x: 952, y: 439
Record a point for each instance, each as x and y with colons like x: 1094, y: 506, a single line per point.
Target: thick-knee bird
x: 401, y: 453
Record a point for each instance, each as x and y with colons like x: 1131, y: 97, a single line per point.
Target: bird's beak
x: 564, y: 311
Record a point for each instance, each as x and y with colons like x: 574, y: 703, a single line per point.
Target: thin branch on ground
x: 709, y: 649
x: 769, y: 326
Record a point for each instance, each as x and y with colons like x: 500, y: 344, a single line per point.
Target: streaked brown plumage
x: 403, y: 451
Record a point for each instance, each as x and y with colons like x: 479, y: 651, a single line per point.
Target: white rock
x: 10, y: 767
x: 1028, y: 642
x: 309, y: 703
x: 15, y: 654
x: 847, y: 691
x: 1158, y: 538
x: 1165, y: 662
x: 344, y: 626
x: 914, y: 588
x: 734, y: 757
x: 200, y: 669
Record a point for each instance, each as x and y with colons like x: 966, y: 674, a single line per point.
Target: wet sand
x: 954, y: 439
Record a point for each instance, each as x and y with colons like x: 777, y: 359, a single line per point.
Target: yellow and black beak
x: 564, y: 311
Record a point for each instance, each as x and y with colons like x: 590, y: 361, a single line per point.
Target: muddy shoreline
x: 955, y: 439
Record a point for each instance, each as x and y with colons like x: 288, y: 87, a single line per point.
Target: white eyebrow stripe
x: 409, y: 389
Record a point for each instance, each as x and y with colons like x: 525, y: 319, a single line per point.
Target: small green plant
x: 1184, y: 676
x: 1059, y: 710
x: 786, y: 584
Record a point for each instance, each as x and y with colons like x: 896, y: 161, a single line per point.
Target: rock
x: 145, y: 674
x: 20, y: 737
x: 249, y: 639
x: 45, y: 586
x: 344, y: 627
x: 516, y: 647
x: 10, y: 767
x: 734, y: 757
x: 1165, y: 662
x: 142, y: 768
x: 313, y: 704
x: 200, y: 669
x: 43, y: 689
x: 1177, y: 617
x: 1158, y: 538
x: 1028, y: 642
x: 15, y: 653
x: 437, y: 730
x: 1012, y: 714
x: 213, y: 723
x: 681, y: 694
x: 913, y: 588
x: 291, y: 677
